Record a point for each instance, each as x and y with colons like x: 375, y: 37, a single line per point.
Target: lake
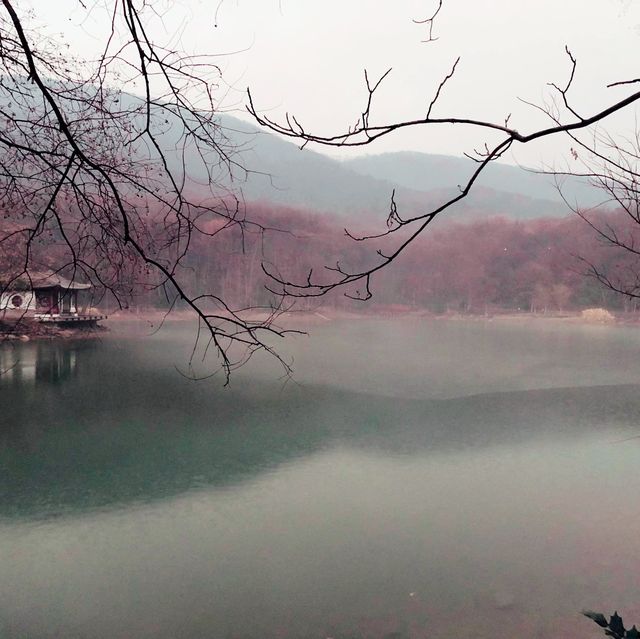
x: 416, y: 478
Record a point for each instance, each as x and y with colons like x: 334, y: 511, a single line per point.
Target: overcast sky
x: 308, y: 56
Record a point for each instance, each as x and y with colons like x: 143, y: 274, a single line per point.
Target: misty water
x: 418, y: 477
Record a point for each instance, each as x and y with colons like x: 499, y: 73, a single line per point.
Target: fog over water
x: 419, y: 477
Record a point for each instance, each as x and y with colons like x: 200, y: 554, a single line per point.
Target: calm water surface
x: 423, y: 478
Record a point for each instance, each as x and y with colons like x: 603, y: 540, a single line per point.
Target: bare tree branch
x: 87, y: 186
x: 365, y: 133
x: 430, y: 22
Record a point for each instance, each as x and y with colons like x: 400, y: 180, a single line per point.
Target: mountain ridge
x: 279, y: 172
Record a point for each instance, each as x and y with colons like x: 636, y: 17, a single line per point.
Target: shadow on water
x: 86, y: 425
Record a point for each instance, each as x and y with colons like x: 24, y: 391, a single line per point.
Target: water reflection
x: 45, y: 362
x: 110, y: 431
x: 134, y: 503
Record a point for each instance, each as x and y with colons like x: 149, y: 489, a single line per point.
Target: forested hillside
x: 490, y: 265
x: 275, y: 170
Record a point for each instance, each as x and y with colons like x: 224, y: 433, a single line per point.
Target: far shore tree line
x: 486, y: 266
x: 498, y: 264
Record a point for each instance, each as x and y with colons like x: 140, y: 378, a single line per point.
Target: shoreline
x: 324, y: 315
x: 31, y: 330
x: 28, y: 330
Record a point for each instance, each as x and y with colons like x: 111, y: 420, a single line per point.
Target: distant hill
x: 424, y: 172
x: 279, y: 172
x: 271, y: 169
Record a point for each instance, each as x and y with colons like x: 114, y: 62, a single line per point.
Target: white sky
x: 307, y: 57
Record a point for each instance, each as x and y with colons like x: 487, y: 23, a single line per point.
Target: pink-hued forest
x: 489, y: 265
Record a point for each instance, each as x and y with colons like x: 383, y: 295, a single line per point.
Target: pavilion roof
x: 44, y: 279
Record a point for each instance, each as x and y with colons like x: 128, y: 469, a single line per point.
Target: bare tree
x: 611, y: 164
x: 86, y: 183
x: 400, y: 232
